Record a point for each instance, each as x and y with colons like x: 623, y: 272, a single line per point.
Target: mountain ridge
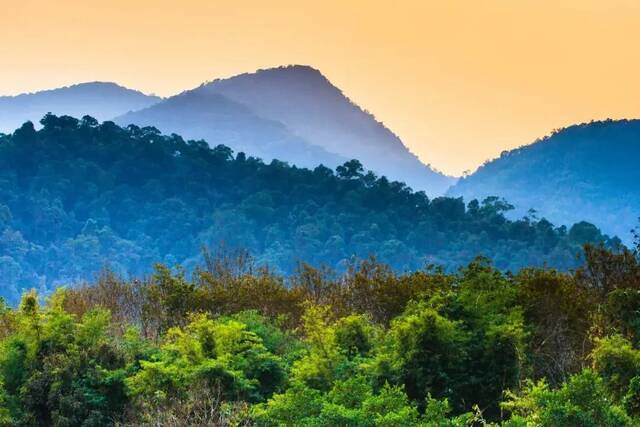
x: 102, y: 100
x: 80, y: 85
x: 587, y: 170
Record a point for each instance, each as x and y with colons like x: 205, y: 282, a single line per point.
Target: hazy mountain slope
x: 588, y: 171
x: 308, y: 104
x: 196, y: 114
x: 100, y: 100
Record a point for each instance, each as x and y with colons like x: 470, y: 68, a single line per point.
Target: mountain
x: 196, y: 114
x: 584, y: 172
x: 313, y: 108
x: 77, y: 195
x: 98, y: 99
x: 289, y: 113
x: 293, y: 114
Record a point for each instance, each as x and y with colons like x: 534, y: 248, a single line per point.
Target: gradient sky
x: 458, y: 81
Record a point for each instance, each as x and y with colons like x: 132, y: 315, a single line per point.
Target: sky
x: 458, y: 81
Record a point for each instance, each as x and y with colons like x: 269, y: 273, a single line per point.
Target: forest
x: 235, y: 344
x: 77, y: 196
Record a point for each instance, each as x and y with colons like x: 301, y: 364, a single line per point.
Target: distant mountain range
x: 294, y: 114
x: 102, y: 101
x: 289, y: 113
x: 584, y: 172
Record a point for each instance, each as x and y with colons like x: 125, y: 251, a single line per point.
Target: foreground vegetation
x: 236, y: 345
x: 77, y: 194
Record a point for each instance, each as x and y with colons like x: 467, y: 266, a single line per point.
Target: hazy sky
x: 458, y: 81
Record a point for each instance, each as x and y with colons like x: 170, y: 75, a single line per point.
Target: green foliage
x: 350, y: 402
x: 632, y: 398
x: 622, y: 313
x: 221, y: 355
x: 231, y: 346
x: 616, y: 362
x: 428, y: 349
x: 582, y: 401
x: 59, y: 370
x: 353, y: 335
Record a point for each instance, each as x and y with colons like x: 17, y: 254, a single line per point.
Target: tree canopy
x: 238, y: 345
x: 77, y: 195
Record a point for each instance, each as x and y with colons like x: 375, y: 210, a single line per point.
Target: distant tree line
x: 76, y: 195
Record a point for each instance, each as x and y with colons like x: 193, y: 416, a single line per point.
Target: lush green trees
x: 582, y: 401
x: 58, y: 369
x: 76, y: 195
x: 235, y: 345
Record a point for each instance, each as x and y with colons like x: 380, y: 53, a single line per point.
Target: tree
x: 581, y: 401
x: 350, y: 170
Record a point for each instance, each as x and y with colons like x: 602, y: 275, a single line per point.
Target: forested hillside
x: 585, y: 172
x: 77, y: 195
x: 240, y: 346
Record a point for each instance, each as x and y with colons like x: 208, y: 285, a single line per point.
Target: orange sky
x: 459, y: 81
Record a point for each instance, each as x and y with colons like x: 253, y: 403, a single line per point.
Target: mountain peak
x: 289, y: 75
x: 292, y: 68
x: 295, y: 70
x: 289, y: 71
x: 304, y: 100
